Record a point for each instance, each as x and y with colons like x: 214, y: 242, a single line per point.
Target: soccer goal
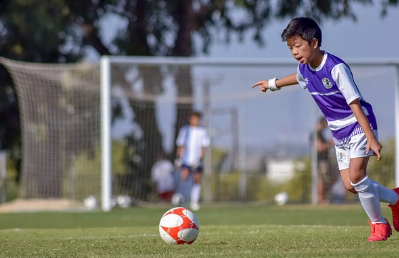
x: 95, y: 130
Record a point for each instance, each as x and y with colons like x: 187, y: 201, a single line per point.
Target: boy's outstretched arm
x: 286, y: 81
x: 372, y: 142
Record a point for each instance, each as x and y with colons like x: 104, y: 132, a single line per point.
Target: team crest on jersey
x: 327, y: 83
x: 342, y: 157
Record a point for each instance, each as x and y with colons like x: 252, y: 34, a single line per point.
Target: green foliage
x: 300, y: 186
x: 260, y: 188
x: 84, y: 175
x: 383, y: 171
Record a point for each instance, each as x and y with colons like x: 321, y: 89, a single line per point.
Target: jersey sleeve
x: 342, y: 75
x: 299, y: 77
x: 205, y: 139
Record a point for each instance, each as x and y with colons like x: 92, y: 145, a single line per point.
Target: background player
x: 191, y: 142
x: 326, y: 173
x: 162, y: 175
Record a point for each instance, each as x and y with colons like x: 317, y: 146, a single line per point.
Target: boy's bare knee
x: 352, y: 190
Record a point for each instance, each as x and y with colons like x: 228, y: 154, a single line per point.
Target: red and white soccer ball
x: 179, y: 226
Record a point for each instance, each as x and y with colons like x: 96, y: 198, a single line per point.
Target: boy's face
x: 195, y: 121
x: 301, y: 50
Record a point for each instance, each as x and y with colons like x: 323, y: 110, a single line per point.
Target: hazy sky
x: 369, y: 37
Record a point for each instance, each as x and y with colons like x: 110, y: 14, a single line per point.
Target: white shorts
x: 355, y: 148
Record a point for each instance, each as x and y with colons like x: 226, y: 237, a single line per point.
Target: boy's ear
x: 315, y: 43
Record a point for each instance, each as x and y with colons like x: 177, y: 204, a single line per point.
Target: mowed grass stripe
x: 213, y: 241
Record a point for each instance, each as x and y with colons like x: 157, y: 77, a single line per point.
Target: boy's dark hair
x: 303, y: 27
x: 196, y: 113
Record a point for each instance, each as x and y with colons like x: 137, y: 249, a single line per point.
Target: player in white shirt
x: 191, y: 144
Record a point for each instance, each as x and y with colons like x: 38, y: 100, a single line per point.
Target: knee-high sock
x: 385, y: 194
x: 195, y: 193
x: 369, y: 199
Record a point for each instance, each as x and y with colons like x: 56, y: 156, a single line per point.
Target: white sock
x: 195, y: 193
x: 385, y: 194
x: 369, y: 199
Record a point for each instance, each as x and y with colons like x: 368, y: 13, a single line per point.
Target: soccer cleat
x: 395, y: 212
x: 379, y: 231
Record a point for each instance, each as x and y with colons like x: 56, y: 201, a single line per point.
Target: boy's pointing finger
x: 257, y: 84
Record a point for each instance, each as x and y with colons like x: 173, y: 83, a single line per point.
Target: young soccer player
x: 350, y: 118
x: 191, y: 144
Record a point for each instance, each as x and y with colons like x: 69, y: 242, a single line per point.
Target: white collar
x: 321, y: 64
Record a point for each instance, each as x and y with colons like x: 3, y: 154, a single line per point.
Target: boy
x: 191, y: 143
x: 350, y: 118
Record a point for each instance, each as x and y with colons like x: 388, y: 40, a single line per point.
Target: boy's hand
x: 376, y: 147
x: 177, y: 162
x: 263, y: 85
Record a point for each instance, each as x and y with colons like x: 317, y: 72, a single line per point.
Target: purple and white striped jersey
x: 333, y: 88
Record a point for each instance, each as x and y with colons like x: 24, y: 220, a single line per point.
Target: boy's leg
x: 368, y: 195
x: 367, y: 192
x: 358, y: 144
x: 352, y: 161
x: 185, y: 170
x: 385, y: 194
x: 346, y: 180
x: 196, y: 191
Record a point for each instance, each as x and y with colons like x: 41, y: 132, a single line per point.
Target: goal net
x: 60, y: 116
x: 261, y: 144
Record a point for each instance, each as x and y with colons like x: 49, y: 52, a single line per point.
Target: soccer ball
x: 281, y: 198
x: 179, y: 226
x: 124, y: 201
x: 90, y: 202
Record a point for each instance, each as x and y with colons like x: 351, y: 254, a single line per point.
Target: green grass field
x: 226, y: 231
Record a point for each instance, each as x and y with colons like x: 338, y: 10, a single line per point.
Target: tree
x: 24, y: 32
x: 153, y: 28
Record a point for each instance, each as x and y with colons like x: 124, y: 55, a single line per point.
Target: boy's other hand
x: 376, y: 147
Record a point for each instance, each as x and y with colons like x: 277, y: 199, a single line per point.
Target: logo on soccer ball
x: 179, y: 226
x: 327, y: 83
